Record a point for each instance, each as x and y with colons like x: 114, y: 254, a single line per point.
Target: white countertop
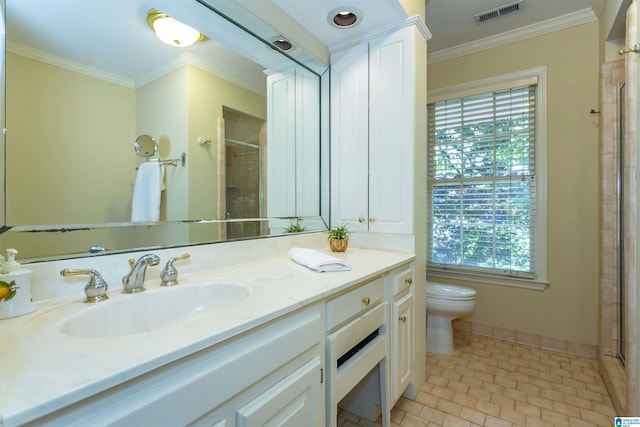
x: 43, y: 370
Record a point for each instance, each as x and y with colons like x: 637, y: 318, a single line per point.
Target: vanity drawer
x: 402, y: 280
x: 353, y: 302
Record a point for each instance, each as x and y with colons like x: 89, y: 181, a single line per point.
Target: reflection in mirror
x: 245, y: 115
x: 145, y: 146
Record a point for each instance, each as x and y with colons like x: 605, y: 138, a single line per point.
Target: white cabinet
x: 402, y: 331
x: 356, y: 344
x: 401, y: 345
x: 272, y: 373
x: 293, y: 137
x: 353, y: 347
x: 293, y: 402
x: 372, y: 135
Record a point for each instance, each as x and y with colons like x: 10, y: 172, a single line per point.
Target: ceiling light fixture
x: 345, y: 17
x: 171, y: 31
x: 282, y: 44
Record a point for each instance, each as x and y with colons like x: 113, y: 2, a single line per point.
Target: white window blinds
x: 482, y: 182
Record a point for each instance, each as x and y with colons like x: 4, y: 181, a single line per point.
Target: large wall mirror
x: 235, y: 119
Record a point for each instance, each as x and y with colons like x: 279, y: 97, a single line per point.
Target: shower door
x: 620, y: 351
x: 243, y: 188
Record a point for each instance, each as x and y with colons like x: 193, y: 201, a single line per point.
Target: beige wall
x: 58, y: 136
x: 208, y: 96
x: 161, y: 111
x: 568, y: 309
x: 94, y: 183
x: 414, y: 7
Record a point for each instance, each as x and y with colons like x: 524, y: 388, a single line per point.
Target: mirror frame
x: 56, y: 234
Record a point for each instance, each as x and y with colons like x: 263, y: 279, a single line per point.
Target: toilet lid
x: 440, y: 290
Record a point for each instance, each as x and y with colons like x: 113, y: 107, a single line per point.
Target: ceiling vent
x: 499, y: 12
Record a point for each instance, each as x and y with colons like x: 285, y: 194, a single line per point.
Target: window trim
x: 533, y: 75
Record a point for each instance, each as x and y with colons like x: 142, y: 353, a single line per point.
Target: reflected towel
x: 317, y: 261
x: 145, y: 205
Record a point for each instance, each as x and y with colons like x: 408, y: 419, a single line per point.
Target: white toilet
x: 445, y: 303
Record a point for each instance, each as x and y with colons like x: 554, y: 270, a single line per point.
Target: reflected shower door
x: 243, y: 163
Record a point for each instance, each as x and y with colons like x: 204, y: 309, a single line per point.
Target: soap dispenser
x: 15, y: 288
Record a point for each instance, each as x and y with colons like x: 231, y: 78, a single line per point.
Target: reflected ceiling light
x: 345, y: 17
x: 282, y: 44
x: 172, y: 31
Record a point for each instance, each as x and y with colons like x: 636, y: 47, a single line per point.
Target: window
x: 483, y: 183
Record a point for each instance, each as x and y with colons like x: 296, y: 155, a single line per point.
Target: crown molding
x: 48, y: 58
x: 188, y: 59
x: 183, y: 60
x: 560, y: 23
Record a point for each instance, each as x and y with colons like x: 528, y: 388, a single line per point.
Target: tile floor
x: 488, y: 382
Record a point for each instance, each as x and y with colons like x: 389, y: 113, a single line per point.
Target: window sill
x: 514, y: 282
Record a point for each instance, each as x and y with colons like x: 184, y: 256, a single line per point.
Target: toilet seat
x: 449, y: 292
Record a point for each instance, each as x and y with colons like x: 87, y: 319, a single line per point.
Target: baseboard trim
x: 538, y: 341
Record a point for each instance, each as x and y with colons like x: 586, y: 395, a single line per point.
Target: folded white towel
x: 145, y: 205
x: 317, y: 261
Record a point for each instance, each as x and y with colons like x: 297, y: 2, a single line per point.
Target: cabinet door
x: 307, y: 143
x: 296, y: 401
x: 391, y: 133
x: 293, y: 170
x: 281, y: 143
x: 401, y: 345
x: 350, y: 137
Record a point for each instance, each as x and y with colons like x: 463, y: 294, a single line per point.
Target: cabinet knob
x: 366, y: 301
x: 408, y: 280
x: 403, y: 319
x: 372, y: 219
x: 361, y: 220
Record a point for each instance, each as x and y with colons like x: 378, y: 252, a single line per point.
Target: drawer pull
x: 403, y: 319
x: 408, y: 280
x: 366, y: 301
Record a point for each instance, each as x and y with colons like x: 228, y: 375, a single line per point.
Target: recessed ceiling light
x: 282, y: 44
x: 345, y: 17
x: 171, y: 31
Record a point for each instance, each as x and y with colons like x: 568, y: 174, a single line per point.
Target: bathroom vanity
x: 247, y: 337
x: 287, y: 346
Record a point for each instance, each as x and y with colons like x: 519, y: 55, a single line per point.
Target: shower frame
x: 620, y: 236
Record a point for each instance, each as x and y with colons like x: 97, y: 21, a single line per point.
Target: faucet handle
x: 96, y: 287
x: 169, y: 275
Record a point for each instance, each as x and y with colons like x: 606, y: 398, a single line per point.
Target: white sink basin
x: 153, y: 309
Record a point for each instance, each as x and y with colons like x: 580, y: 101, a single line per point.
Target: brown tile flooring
x: 488, y: 382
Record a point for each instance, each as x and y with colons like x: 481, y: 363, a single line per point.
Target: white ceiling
x: 314, y: 16
x: 451, y: 22
x: 112, y: 36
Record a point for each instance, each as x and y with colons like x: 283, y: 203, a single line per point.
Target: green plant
x: 339, y: 233
x: 295, y: 228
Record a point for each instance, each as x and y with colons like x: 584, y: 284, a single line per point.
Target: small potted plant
x: 295, y: 228
x: 338, y: 238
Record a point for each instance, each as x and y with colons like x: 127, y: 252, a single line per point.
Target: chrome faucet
x: 169, y: 275
x: 134, y: 281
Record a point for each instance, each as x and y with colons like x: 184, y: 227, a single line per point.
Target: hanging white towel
x: 317, y: 261
x: 145, y: 205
